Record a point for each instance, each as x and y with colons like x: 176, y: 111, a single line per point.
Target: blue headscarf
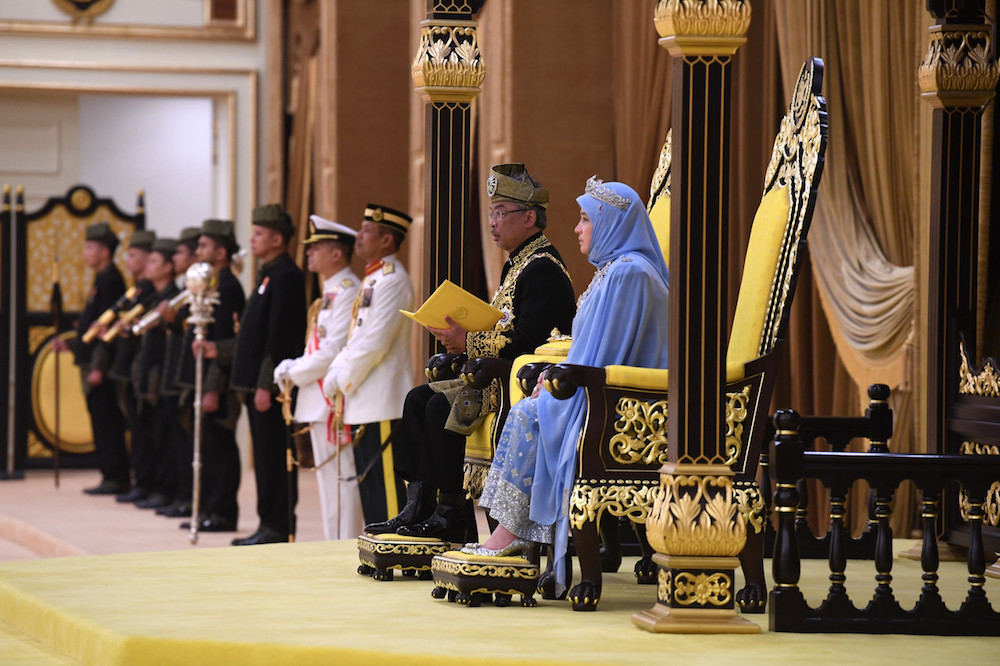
x: 623, y: 319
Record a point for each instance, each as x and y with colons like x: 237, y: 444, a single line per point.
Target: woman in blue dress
x: 621, y: 319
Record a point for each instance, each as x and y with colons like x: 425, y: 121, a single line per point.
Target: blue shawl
x: 622, y: 319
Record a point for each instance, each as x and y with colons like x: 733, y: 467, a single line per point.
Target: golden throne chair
x: 470, y: 579
x: 624, y: 441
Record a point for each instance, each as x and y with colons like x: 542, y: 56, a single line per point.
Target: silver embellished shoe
x: 515, y: 547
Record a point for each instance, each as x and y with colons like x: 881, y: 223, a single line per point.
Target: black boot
x: 420, y: 502
x: 446, y: 523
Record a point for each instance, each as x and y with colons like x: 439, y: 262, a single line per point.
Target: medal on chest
x: 263, y: 286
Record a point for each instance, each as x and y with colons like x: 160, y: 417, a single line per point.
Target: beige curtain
x: 863, y: 239
x: 641, y: 88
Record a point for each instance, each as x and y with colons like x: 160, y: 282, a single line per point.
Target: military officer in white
x: 330, y: 247
x: 372, y: 373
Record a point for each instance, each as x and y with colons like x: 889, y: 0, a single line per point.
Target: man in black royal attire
x: 535, y: 295
x: 220, y: 404
x: 106, y: 417
x: 271, y: 329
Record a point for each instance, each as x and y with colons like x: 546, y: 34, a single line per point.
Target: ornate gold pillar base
x: 697, y: 533
x: 695, y: 595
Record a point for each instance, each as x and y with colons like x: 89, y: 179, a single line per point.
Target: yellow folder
x: 469, y: 312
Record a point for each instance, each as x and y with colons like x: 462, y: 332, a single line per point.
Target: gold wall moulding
x: 958, y: 68
x: 695, y: 513
x: 641, y: 432
x: 217, y: 23
x: 448, y: 65
x: 985, y: 383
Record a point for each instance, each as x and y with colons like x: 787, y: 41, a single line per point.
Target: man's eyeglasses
x: 499, y: 214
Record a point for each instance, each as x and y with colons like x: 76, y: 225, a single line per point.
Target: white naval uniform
x: 373, y: 370
x: 340, y: 502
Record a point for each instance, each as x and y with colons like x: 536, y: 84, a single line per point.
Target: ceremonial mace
x: 201, y: 281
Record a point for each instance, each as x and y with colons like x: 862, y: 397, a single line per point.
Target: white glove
x: 330, y: 387
x: 282, y: 372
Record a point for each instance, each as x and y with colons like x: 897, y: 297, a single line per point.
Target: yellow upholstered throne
x: 624, y: 441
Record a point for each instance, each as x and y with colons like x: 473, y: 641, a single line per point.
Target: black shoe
x: 446, y: 523
x: 107, y: 488
x: 420, y: 504
x: 175, y: 509
x: 262, y: 535
x: 135, y: 495
x: 218, y: 524
x: 154, y: 501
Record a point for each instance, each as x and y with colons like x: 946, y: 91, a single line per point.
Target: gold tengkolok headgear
x: 512, y: 182
x: 388, y: 217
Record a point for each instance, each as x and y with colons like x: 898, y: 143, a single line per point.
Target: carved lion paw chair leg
x: 470, y: 579
x: 624, y: 442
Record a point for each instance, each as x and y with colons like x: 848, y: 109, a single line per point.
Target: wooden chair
x: 624, y: 442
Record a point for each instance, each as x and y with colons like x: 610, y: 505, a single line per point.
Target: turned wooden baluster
x: 838, y: 545
x: 929, y: 594
x: 883, y: 545
x: 786, y: 457
x: 976, y: 598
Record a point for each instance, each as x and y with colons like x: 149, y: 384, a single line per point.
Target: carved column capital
x: 702, y: 27
x: 959, y: 68
x: 448, y: 66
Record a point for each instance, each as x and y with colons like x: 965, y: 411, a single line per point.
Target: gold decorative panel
x: 985, y: 383
x: 702, y: 589
x: 696, y: 516
x: 641, y: 430
x: 62, y: 235
x: 991, y: 505
x: 736, y: 414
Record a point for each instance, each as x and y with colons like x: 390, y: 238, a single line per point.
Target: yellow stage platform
x: 305, y: 604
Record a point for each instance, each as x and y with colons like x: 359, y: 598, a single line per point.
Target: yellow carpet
x: 305, y: 604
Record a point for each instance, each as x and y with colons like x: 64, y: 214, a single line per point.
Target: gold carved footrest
x: 381, y: 553
x: 467, y: 578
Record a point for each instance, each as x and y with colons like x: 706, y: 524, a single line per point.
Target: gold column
x: 694, y: 525
x: 448, y: 71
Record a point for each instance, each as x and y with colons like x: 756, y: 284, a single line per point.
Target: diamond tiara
x: 597, y: 189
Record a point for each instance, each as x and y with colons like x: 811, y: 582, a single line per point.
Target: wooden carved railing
x: 838, y: 431
x: 788, y: 608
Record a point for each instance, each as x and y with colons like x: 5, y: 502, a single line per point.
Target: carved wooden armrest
x: 480, y: 372
x: 444, y: 366
x: 563, y: 379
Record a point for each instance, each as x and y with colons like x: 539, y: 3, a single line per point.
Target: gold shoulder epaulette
x: 388, y: 268
x: 347, y: 282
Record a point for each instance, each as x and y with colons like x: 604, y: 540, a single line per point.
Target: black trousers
x: 277, y: 490
x: 383, y: 492
x: 140, y: 426
x: 184, y: 444
x: 221, y: 470
x: 425, y: 450
x: 164, y: 445
x: 108, y: 426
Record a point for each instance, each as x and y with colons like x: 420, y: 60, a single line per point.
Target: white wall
x: 141, y: 12
x: 160, y: 144
x: 38, y: 144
